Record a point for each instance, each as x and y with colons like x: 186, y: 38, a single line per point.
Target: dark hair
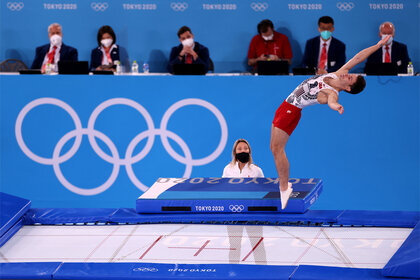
x: 106, y: 29
x: 325, y: 19
x: 182, y: 30
x: 358, y: 86
x: 263, y: 26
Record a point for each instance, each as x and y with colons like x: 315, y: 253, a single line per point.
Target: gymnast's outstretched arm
x: 361, y: 56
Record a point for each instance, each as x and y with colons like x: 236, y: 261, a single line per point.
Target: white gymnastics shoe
x: 284, y: 196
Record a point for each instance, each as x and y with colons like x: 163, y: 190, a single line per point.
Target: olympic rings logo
x: 345, y: 6
x: 146, y: 269
x: 15, y: 6
x: 99, y: 7
x: 114, y: 158
x: 236, y: 208
x: 259, y: 7
x: 179, y: 6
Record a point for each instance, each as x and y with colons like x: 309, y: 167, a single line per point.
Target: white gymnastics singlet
x: 307, y: 92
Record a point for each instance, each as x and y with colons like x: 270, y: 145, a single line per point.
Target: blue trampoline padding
x: 406, y: 261
x: 380, y: 218
x: 129, y: 216
x: 311, y: 272
x: 12, y: 208
x: 52, y: 216
x: 8, y: 234
x: 30, y: 270
x: 118, y: 271
x: 226, y: 195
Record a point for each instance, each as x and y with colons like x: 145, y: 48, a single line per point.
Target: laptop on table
x: 73, y: 67
x: 277, y: 67
x: 381, y: 69
x: 189, y: 69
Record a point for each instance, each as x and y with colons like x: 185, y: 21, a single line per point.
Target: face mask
x: 268, y: 38
x: 55, y: 40
x: 106, y: 42
x: 389, y: 40
x: 326, y: 34
x: 243, y: 157
x: 188, y: 42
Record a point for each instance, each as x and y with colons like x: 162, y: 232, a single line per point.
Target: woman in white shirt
x: 241, y: 165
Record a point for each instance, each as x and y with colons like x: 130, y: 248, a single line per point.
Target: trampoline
x: 353, y: 247
x: 105, y: 243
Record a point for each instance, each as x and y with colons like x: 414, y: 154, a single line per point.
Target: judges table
x: 101, y: 141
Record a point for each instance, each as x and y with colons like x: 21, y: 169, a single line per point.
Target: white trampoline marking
x: 114, y: 255
x: 304, y: 241
x: 345, y: 259
x: 309, y: 247
x: 101, y: 243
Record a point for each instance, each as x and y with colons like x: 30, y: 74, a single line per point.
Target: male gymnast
x: 320, y: 89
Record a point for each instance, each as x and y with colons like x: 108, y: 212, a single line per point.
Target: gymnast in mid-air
x: 319, y: 89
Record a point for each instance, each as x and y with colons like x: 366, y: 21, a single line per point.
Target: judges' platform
x: 226, y: 195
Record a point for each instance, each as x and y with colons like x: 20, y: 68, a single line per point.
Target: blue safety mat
x: 226, y: 195
x: 52, y: 216
x: 9, y: 234
x: 117, y: 271
x: 32, y: 270
x: 12, y: 208
x: 311, y: 272
x: 379, y: 218
x: 406, y: 261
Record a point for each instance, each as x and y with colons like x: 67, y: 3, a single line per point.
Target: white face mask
x: 188, y: 42
x: 106, y: 42
x: 268, y: 38
x: 389, y: 40
x: 55, y: 40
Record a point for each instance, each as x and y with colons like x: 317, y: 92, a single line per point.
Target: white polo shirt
x: 249, y: 170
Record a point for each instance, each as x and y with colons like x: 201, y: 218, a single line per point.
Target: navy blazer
x: 66, y: 53
x: 202, y: 52
x: 399, y: 55
x: 96, y: 56
x: 336, y: 54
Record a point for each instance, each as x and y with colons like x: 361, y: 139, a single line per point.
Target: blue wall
x: 148, y: 31
x: 368, y: 157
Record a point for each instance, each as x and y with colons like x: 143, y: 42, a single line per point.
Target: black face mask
x: 243, y: 157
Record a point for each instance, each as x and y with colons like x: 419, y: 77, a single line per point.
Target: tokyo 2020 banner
x: 146, y: 29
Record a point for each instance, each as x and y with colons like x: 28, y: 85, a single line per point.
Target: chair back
x: 12, y: 65
x: 211, y: 65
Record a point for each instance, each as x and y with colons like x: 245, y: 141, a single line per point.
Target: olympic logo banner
x: 345, y: 6
x: 259, y: 6
x: 99, y: 7
x: 115, y: 158
x: 15, y: 6
x: 179, y: 6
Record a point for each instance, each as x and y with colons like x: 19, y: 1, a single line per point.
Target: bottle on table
x: 410, y: 69
x: 134, y: 67
x: 119, y: 67
x: 146, y: 68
